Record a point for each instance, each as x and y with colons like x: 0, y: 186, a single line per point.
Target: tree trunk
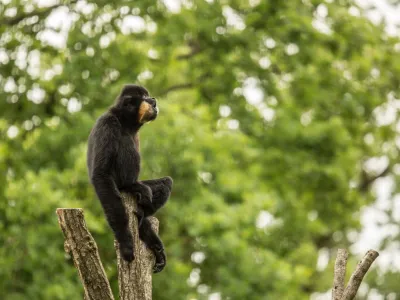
x: 83, y: 249
x: 135, y: 279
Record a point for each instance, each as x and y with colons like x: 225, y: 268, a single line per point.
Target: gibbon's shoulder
x: 107, y: 127
x: 108, y: 120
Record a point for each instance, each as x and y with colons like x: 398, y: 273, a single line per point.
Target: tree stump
x: 135, y: 278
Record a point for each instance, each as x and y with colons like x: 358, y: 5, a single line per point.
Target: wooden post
x: 135, y: 278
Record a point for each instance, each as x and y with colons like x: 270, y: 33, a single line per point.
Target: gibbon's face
x: 136, y: 100
x: 148, y: 110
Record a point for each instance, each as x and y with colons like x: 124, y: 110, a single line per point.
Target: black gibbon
x: 113, y: 161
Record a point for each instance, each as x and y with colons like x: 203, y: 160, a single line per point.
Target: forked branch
x: 349, y: 293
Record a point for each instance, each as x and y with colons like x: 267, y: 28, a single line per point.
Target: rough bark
x: 358, y: 275
x: 83, y: 249
x: 339, y: 275
x: 135, y: 279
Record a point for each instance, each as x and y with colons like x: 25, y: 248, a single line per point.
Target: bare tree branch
x: 339, y: 274
x: 367, y: 181
x: 358, y: 275
x: 80, y: 243
x: 177, y: 87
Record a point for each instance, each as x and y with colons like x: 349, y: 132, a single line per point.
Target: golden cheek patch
x: 144, y: 109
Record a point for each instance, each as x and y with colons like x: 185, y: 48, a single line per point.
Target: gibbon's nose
x: 154, y: 102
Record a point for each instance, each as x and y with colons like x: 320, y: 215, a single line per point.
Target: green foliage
x: 266, y: 116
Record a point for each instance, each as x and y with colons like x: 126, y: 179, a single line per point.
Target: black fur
x: 113, y: 161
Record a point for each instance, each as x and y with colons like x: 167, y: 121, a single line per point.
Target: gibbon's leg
x: 143, y: 194
x: 111, y: 201
x: 154, y: 243
x: 161, y: 190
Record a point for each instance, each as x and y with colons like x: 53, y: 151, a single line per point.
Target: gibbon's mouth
x: 154, y: 115
x: 150, y: 116
x: 147, y: 112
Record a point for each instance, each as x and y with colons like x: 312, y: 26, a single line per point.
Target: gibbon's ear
x: 145, y: 112
x: 123, y: 101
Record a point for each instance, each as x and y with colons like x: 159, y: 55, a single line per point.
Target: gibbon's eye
x: 152, y: 102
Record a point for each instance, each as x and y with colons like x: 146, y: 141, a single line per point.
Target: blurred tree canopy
x: 271, y: 112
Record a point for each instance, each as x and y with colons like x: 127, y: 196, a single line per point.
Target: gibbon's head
x: 136, y: 102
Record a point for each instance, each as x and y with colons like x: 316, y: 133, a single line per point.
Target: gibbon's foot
x: 126, y: 249
x: 144, y: 200
x: 161, y: 260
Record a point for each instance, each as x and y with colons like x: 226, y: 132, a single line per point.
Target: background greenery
x: 271, y: 112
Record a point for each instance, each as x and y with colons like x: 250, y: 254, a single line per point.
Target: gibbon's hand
x: 144, y: 197
x: 126, y: 247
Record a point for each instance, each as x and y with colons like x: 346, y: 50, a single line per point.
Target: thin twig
x: 367, y: 181
x: 177, y: 87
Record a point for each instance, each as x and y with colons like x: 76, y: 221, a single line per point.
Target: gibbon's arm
x: 104, y: 151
